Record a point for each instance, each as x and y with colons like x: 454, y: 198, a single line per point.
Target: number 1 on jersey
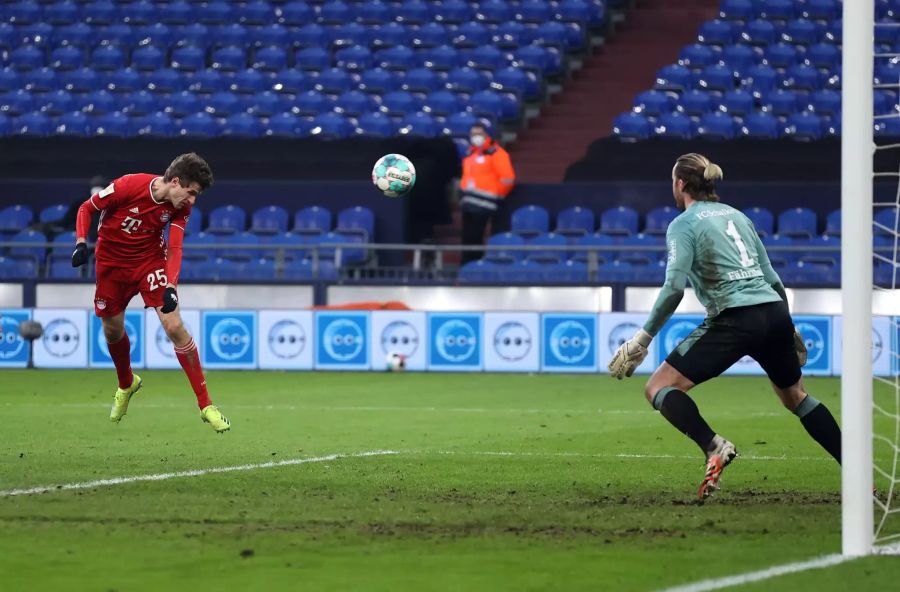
x: 732, y: 231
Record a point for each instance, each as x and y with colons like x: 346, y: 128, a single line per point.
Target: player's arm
x: 174, y: 251
x: 97, y: 202
x: 681, y: 256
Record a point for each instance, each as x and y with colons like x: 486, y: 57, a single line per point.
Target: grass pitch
x: 497, y: 482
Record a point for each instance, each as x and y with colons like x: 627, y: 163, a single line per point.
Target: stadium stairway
x: 651, y: 36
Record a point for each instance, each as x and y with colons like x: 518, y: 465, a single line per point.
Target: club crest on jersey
x: 101, y: 304
x: 164, y: 217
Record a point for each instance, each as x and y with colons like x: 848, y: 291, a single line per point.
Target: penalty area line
x: 763, y: 574
x: 190, y: 473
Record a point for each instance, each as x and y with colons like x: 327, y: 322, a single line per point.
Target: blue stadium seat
x: 162, y: 36
x: 458, y: 125
x: 378, y: 81
x: 195, y: 221
x: 575, y: 222
x: 335, y: 12
x: 288, y: 125
x: 256, y: 12
x: 375, y: 125
x: 513, y: 80
x: 802, y: 77
x: 200, y: 246
x: 208, y: 81
x: 782, y: 55
x: 759, y: 32
x: 229, y: 59
x: 885, y: 221
x: 269, y: 220
x: 98, y: 102
x: 26, y: 57
x: 631, y: 126
x: 10, y: 80
x: 797, y: 223
x: 26, y: 241
x: 64, y: 12
x: 823, y: 56
x: 354, y: 103
x: 827, y: 102
x: 674, y: 126
x: 441, y: 58
x: 717, y: 32
x: 223, y: 104
x: 781, y: 102
x: 738, y: 103
x: 6, y: 125
x: 15, y: 218
x: 242, y: 125
x: 502, y: 255
x: 658, y: 220
x: 673, y: 77
x: 739, y: 57
x: 805, y: 126
x: 246, y: 82
x: 269, y: 59
x: 511, y: 35
x: 833, y: 224
x: 453, y: 12
x: 236, y: 246
x: 227, y: 219
x: 654, y: 103
x: 156, y: 124
x: 759, y: 80
x: 60, y: 267
x: 537, y: 59
x: 763, y: 220
x: 17, y: 102
x: 620, y: 221
x: 188, y: 58
x: 148, y: 58
x: 485, y: 57
x: 419, y: 125
x: 53, y: 214
x: 33, y: 124
x: 636, y: 249
x: 530, y: 220
x: 779, y: 259
x: 114, y: 123
x: 354, y: 58
x: 800, y: 32
x: 399, y: 103
x: 696, y: 103
x: 821, y: 10
x: 23, y: 12
x: 349, y: 34
x: 398, y: 58
x: 274, y: 35
x: 716, y: 77
x: 284, y: 245
x: 182, y: 104
x: 547, y: 239
x: 311, y: 103
x: 18, y: 268
x: 480, y: 271
x: 54, y: 103
x: 165, y: 80
x: 73, y: 124
x: 778, y: 10
x: 696, y: 57
x: 487, y: 103
x: 739, y: 10
x: 615, y: 271
x: 312, y: 220
x: 41, y: 80
x: 331, y: 126
x: 760, y: 126
x: 442, y: 103
x: 467, y: 80
x: 595, y: 240
x: 123, y: 80
x: 328, y: 252
x: 358, y: 221
x: 67, y: 57
x: 421, y: 80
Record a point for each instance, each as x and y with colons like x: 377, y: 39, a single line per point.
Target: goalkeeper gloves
x: 800, y: 346
x: 170, y: 300
x: 80, y: 255
x: 630, y: 355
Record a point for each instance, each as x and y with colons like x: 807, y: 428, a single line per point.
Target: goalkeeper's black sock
x: 820, y: 424
x: 682, y: 412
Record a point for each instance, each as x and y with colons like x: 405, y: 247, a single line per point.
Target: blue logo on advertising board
x: 569, y: 342
x: 134, y: 328
x: 455, y: 341
x: 674, y: 332
x: 286, y: 339
x: 816, y: 333
x: 230, y: 339
x: 342, y: 340
x: 512, y: 341
x: 14, y: 350
x: 400, y: 337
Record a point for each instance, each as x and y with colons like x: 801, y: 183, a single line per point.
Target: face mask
x: 477, y: 140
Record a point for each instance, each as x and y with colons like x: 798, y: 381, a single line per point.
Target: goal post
x: 857, y: 519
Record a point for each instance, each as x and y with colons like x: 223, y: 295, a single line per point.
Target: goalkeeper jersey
x: 717, y: 248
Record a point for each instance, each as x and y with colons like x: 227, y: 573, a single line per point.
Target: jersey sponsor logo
x: 109, y: 189
x: 130, y: 224
x: 134, y: 210
x: 744, y: 274
x: 673, y: 251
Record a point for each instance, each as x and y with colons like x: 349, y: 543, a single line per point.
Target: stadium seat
x: 833, y: 224
x: 802, y: 77
x: 654, y: 103
x: 885, y: 222
x: 760, y: 126
x: 827, y: 102
x: 331, y: 126
x: 739, y: 10
x: 696, y: 57
x: 312, y: 220
x: 487, y: 103
x: 467, y: 80
x: 67, y: 57
x: 797, y: 223
x: 782, y: 55
x: 530, y: 221
x: 759, y: 32
x: 695, y: 103
x: 33, y: 124
x: 781, y: 102
x: 354, y: 58
x: 550, y: 255
x: 575, y: 222
x: 200, y: 246
x: 398, y: 59
x: 311, y: 103
x: 716, y: 77
x: 801, y: 32
x: 717, y: 32
x: 601, y: 244
x: 419, y: 125
x: 156, y: 124
x: 805, y: 126
x: 18, y: 268
x: 641, y: 249
x: 737, y: 103
x: 237, y: 246
x: 621, y: 221
x: 399, y: 103
x: 309, y: 36
x: 375, y: 125
x: 824, y: 56
x: 480, y: 271
x: 759, y: 80
x: 658, y: 220
x: 266, y: 104
x: 458, y: 125
x: 389, y: 35
x: 717, y: 126
x: 60, y: 267
x: 242, y: 125
x: 26, y: 57
x: 763, y: 220
x: 15, y: 218
x: 503, y: 255
x: 739, y: 57
x: 674, y: 126
x: 288, y: 125
x: 333, y: 81
x: 51, y: 215
x: 73, y: 124
x: 98, y: 102
x: 673, y: 77
x: 227, y: 219
x: 631, y: 127
x: 25, y: 244
x: 359, y: 221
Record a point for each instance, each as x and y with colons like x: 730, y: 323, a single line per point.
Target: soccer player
x: 716, y: 247
x: 132, y: 258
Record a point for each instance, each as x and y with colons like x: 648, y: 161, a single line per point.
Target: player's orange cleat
x: 716, y: 462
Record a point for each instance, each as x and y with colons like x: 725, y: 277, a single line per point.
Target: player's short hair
x: 699, y: 175
x: 190, y: 168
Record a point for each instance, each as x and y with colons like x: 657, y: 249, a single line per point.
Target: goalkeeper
x: 716, y: 247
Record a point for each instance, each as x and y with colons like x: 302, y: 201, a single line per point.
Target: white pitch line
x: 763, y: 574
x: 191, y: 473
x: 622, y: 455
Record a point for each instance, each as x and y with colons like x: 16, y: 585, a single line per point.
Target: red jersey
x: 132, y: 222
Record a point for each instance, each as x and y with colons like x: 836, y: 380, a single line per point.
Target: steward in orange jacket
x: 487, y: 178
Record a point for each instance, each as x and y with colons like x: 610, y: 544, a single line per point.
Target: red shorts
x: 116, y: 286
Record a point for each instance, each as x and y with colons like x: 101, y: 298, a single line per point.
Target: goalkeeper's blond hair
x: 699, y: 175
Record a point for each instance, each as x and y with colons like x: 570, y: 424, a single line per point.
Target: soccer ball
x: 394, y: 175
x: 395, y: 362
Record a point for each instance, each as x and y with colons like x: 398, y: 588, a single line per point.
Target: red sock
x: 120, y: 352
x: 189, y: 358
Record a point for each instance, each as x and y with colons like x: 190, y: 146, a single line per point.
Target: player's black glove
x: 170, y: 300
x: 79, y: 257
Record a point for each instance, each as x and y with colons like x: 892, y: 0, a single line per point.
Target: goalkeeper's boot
x: 716, y: 461
x: 123, y: 397
x: 211, y: 415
